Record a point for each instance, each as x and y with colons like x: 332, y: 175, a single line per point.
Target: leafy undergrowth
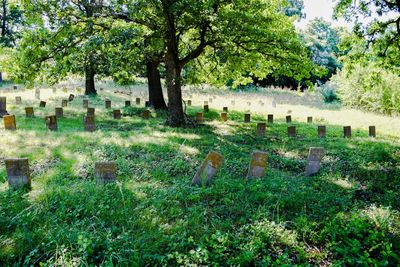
x: 346, y: 215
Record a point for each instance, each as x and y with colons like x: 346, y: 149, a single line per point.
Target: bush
x: 328, y: 92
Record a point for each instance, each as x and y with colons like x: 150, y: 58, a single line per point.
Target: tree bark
x: 1, y: 77
x: 90, y: 88
x: 156, y: 97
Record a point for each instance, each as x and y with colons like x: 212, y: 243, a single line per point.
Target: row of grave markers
x: 18, y: 172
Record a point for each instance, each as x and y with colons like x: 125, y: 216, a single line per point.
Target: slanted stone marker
x: 189, y: 103
x: 314, y: 160
x: 117, y: 114
x: 247, y: 117
x: 107, y: 103
x: 3, y: 106
x: 51, y: 122
x: 208, y: 169
x: 18, y: 100
x: 261, y: 126
x: 270, y: 118
x: 71, y: 97
x: 258, y: 165
x: 18, y: 174
x: 59, y: 112
x: 29, y: 112
x: 9, y: 122
x: 289, y: 119
x: 137, y: 101
x: 322, y: 131
x: 89, y: 124
x: 85, y: 103
x: 224, y: 116
x: 64, y: 103
x: 127, y: 103
x: 309, y: 119
x: 146, y: 114
x: 42, y: 104
x: 225, y: 109
x: 372, y: 131
x: 90, y: 111
x: 105, y: 172
x: 292, y: 131
x: 206, y: 108
x: 347, y: 131
x: 199, y: 117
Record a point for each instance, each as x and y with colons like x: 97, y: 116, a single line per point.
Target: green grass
x: 346, y: 215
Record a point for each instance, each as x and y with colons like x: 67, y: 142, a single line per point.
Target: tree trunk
x: 90, y: 88
x: 1, y: 77
x: 176, y: 116
x: 156, y: 97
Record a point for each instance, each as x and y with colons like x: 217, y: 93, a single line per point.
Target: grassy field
x: 346, y: 215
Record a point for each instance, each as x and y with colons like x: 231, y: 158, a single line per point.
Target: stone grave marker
x: 199, y: 117
x: 18, y: 174
x: 3, y: 106
x: 321, y: 131
x: 347, y: 131
x: 261, y: 126
x: 258, y: 165
x: 288, y: 119
x: 90, y: 111
x: 208, y: 169
x: 314, y: 160
x: 292, y: 131
x: 189, y: 103
x: 37, y: 93
x: 270, y: 118
x: 64, y: 103
x: 105, y: 172
x: 89, y: 123
x: 29, y: 112
x: 137, y: 101
x: 224, y: 116
x: 117, y: 114
x: 206, y: 108
x: 71, y: 97
x: 85, y: 103
x: 127, y: 103
x: 146, y: 114
x: 59, y: 112
x: 9, y: 122
x: 225, y: 109
x: 18, y: 100
x: 42, y: 104
x: 107, y: 103
x: 15, y: 87
x: 372, y: 131
x: 147, y: 104
x: 309, y: 119
x: 51, y: 122
x: 205, y: 102
x: 247, y: 117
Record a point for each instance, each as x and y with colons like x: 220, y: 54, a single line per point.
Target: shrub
x: 328, y: 92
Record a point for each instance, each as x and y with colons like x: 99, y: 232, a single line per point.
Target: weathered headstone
x: 3, y: 106
x: 270, y: 118
x: 42, y: 104
x: 292, y: 131
x: 9, y: 122
x: 89, y: 123
x: 288, y: 119
x: 208, y: 169
x: 258, y: 165
x: 199, y: 117
x: 147, y: 104
x: 314, y: 160
x: 64, y: 103
x: 15, y: 88
x: 127, y: 103
x: 29, y: 112
x: 18, y: 174
x: 85, y: 103
x: 51, y: 122
x: 117, y: 114
x: 372, y: 131
x: 347, y: 131
x: 71, y: 97
x: 261, y: 126
x: 224, y: 116
x: 59, y: 112
x: 137, y: 101
x: 225, y: 109
x: 107, y: 103
x: 206, y: 108
x: 247, y: 117
x: 146, y: 114
x: 309, y: 119
x: 18, y: 100
x: 105, y: 172
x: 189, y: 103
x: 321, y: 131
x: 90, y: 111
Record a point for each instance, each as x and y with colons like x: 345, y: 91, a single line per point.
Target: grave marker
x: 89, y: 123
x: 37, y: 94
x: 322, y: 131
x: 208, y: 169
x: 314, y: 160
x: 224, y: 116
x: 206, y: 108
x: 309, y: 119
x: 261, y: 126
x: 18, y: 100
x: 29, y: 112
x: 147, y: 104
x: 189, y: 103
x: 64, y: 103
x: 292, y: 131
x: 117, y: 114
x: 247, y: 117
x: 225, y: 109
x: 59, y: 112
x: 18, y: 174
x: 289, y: 119
x: 107, y: 103
x: 210, y: 100
x: 105, y: 172
x: 199, y: 117
x: 51, y: 122
x: 258, y: 165
x: 137, y: 101
x: 42, y: 104
x: 372, y: 131
x: 205, y: 102
x: 146, y: 114
x: 347, y: 131
x: 270, y: 118
x: 71, y: 97
x: 10, y: 123
x: 90, y: 111
x: 127, y: 103
x: 85, y: 103
x: 15, y: 87
x: 3, y: 106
